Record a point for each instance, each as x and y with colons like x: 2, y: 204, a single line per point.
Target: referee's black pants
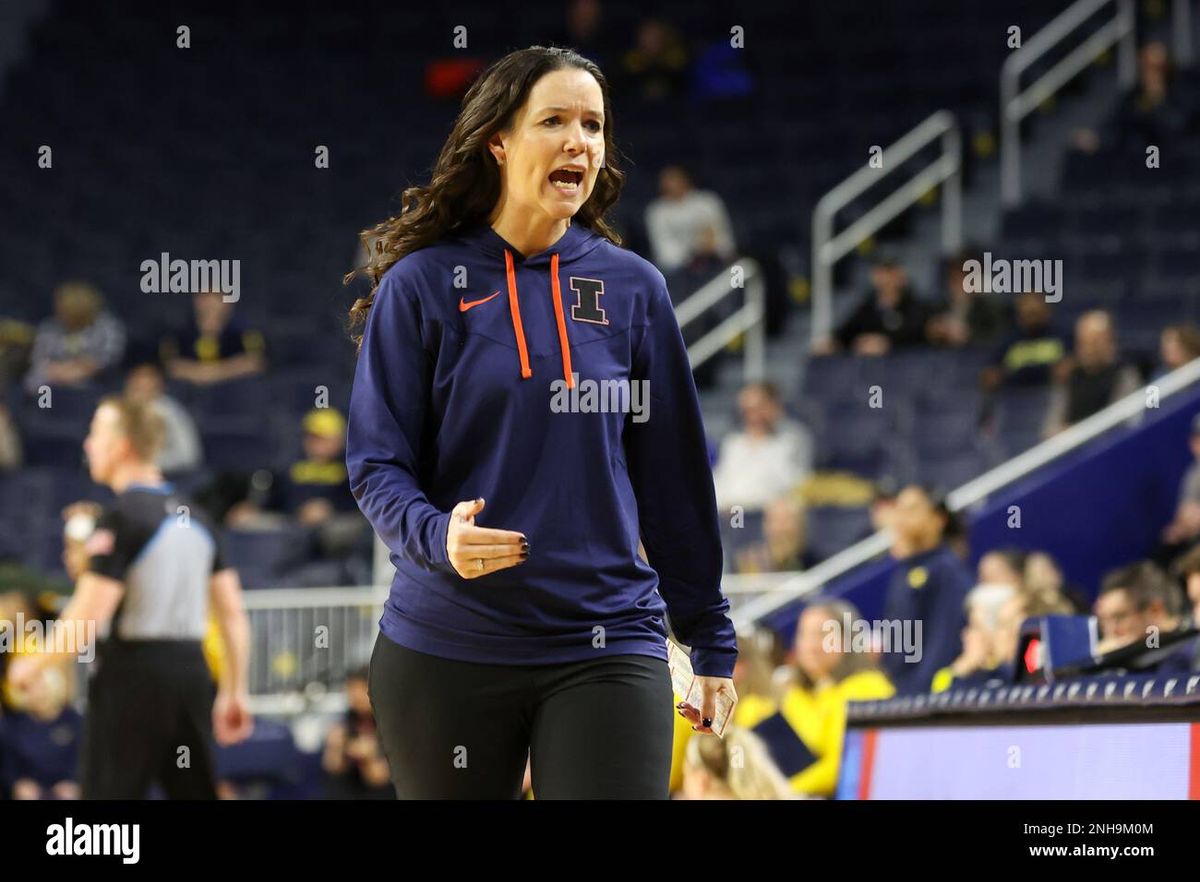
x: 595, y: 729
x: 149, y: 719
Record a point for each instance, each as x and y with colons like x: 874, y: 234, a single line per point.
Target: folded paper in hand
x: 687, y: 686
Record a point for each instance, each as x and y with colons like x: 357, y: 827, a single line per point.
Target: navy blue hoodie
x: 469, y: 350
x: 930, y: 587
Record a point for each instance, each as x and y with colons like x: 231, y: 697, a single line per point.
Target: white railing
x: 828, y: 249
x: 1130, y: 408
x: 305, y: 640
x: 1017, y: 103
x: 749, y: 319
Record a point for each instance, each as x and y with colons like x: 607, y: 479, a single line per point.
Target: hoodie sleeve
x: 385, y: 428
x: 667, y: 457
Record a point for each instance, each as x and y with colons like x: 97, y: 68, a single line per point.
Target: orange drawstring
x: 514, y: 306
x: 563, y: 342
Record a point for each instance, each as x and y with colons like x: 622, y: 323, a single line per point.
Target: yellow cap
x: 325, y: 422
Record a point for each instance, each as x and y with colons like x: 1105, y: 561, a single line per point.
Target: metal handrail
x: 1016, y: 104
x: 828, y: 249
x: 749, y: 319
x: 1130, y: 407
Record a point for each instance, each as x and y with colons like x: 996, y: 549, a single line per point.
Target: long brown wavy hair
x: 465, y: 183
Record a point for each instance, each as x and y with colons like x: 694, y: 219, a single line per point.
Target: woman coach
x: 522, y: 620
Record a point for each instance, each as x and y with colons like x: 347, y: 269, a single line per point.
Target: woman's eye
x: 552, y: 119
x: 594, y: 126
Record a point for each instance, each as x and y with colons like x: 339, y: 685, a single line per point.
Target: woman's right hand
x: 468, y: 545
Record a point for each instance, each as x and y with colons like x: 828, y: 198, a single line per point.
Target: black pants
x: 149, y: 719
x: 595, y: 729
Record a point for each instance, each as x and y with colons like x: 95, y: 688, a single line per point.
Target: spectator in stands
x: 968, y: 318
x: 1187, y: 568
x: 684, y: 222
x: 1183, y: 530
x: 585, y: 31
x: 1136, y: 603
x: 215, y: 346
x: 1044, y: 580
x: 737, y: 766
x: 1028, y: 355
x: 78, y: 344
x: 1013, y: 613
x: 980, y: 662
x: 892, y: 317
x: 1155, y: 112
x: 181, y: 450
x: 829, y: 674
x: 11, y: 455
x: 314, y: 492
x: 784, y: 547
x: 1178, y: 345
x: 1002, y: 566
x: 353, y: 760
x: 770, y: 455
x: 655, y: 69
x: 1093, y: 377
x: 39, y: 748
x: 929, y: 586
x: 756, y: 676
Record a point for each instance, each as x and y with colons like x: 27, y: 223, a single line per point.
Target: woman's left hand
x: 702, y: 717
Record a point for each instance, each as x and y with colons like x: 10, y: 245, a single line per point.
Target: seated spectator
x: 40, y: 743
x: 769, y: 455
x: 80, y: 343
x: 1033, y: 575
x: 314, y: 492
x: 353, y: 760
x: 1093, y: 378
x: 684, y: 222
x: 215, y: 346
x: 11, y: 454
x: 1154, y: 112
x: 1002, y: 566
x: 1044, y: 580
x: 755, y: 677
x: 585, y: 31
x: 892, y: 317
x: 1136, y: 604
x: 655, y: 69
x: 181, y: 450
x: 784, y: 547
x: 927, y: 589
x: 1029, y: 354
x: 968, y: 318
x: 979, y: 663
x: 1178, y: 345
x: 1013, y: 613
x: 736, y: 766
x: 1187, y: 568
x: 828, y: 674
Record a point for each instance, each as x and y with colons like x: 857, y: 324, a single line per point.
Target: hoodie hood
x: 576, y: 242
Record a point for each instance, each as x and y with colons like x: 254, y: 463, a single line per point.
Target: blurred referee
x: 154, y: 566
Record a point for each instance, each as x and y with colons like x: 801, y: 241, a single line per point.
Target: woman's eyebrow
x: 560, y: 109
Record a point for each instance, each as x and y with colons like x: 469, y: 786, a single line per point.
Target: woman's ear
x: 496, y: 148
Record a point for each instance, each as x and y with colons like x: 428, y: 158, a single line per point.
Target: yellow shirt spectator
x: 818, y: 716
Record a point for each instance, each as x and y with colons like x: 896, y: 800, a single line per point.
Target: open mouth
x: 566, y: 180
